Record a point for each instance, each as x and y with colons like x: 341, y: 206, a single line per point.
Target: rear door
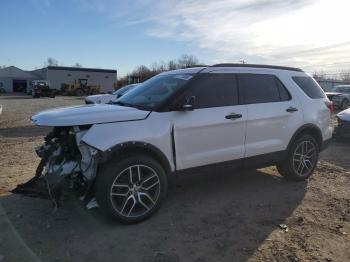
x: 273, y: 114
x: 215, y: 130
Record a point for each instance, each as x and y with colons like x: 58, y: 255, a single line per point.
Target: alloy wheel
x: 135, y: 191
x: 304, y: 158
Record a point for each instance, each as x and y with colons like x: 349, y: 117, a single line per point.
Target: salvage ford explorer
x: 123, y: 154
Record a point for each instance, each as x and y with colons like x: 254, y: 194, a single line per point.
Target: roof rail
x: 258, y: 66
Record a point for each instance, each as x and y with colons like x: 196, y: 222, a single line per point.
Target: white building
x: 13, y: 79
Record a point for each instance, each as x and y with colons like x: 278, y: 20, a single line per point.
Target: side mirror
x: 189, y: 105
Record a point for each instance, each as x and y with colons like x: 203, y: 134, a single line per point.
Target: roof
x: 15, y: 72
x: 194, y: 70
x: 190, y: 70
x: 83, y: 69
x: 259, y: 66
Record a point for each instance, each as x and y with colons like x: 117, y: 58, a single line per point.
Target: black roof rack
x: 259, y: 66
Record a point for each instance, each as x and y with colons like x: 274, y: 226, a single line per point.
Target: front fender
x: 152, y: 132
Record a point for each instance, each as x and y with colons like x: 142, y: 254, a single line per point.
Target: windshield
x: 154, y: 91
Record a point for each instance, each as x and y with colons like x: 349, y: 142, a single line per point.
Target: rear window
x: 309, y: 86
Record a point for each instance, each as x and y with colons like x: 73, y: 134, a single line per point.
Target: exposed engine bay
x: 66, y: 162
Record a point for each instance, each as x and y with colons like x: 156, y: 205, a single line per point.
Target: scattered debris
x: 293, y: 258
x: 92, y: 204
x: 284, y: 227
x: 339, y: 226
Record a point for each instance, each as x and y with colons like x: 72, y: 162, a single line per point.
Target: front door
x: 214, y: 131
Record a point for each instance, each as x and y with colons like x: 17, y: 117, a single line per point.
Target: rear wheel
x: 132, y: 188
x: 301, y: 160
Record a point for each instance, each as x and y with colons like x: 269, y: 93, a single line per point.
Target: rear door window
x: 262, y: 88
x: 309, y: 86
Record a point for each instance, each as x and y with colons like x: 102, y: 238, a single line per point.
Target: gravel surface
x: 228, y: 216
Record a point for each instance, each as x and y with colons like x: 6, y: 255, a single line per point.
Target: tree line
x: 143, y: 72
x: 342, y: 75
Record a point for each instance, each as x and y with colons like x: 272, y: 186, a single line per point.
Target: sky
x: 122, y: 34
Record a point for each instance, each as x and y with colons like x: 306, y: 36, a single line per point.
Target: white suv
x: 223, y: 115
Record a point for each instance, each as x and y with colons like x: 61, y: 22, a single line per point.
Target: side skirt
x: 253, y: 162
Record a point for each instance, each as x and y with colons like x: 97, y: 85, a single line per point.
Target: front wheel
x: 79, y: 92
x: 301, y: 160
x: 132, y: 188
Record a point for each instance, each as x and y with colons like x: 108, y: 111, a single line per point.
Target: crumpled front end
x: 66, y: 161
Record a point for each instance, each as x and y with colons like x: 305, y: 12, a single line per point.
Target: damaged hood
x: 87, y: 115
x: 344, y: 115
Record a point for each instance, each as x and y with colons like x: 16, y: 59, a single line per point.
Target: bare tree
x: 143, y: 72
x: 186, y: 61
x: 319, y: 75
x: 345, y: 75
x: 172, y: 65
x: 77, y: 65
x: 51, y: 62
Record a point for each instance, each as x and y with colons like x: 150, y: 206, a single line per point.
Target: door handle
x: 233, y: 116
x: 291, y: 109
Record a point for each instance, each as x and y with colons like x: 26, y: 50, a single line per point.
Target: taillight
x: 330, y: 106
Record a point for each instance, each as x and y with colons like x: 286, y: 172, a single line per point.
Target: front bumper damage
x: 66, y: 162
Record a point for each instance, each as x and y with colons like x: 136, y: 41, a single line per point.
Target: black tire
x: 52, y: 94
x: 344, y: 104
x: 290, y: 166
x: 35, y: 95
x: 115, y: 169
x: 79, y: 92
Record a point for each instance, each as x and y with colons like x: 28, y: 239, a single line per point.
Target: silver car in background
x: 340, y: 96
x: 107, y: 98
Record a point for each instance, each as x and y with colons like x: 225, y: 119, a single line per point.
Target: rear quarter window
x: 309, y: 86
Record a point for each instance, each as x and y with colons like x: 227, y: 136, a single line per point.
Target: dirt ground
x: 226, y: 216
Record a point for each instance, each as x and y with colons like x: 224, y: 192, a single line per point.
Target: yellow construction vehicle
x: 80, y: 88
